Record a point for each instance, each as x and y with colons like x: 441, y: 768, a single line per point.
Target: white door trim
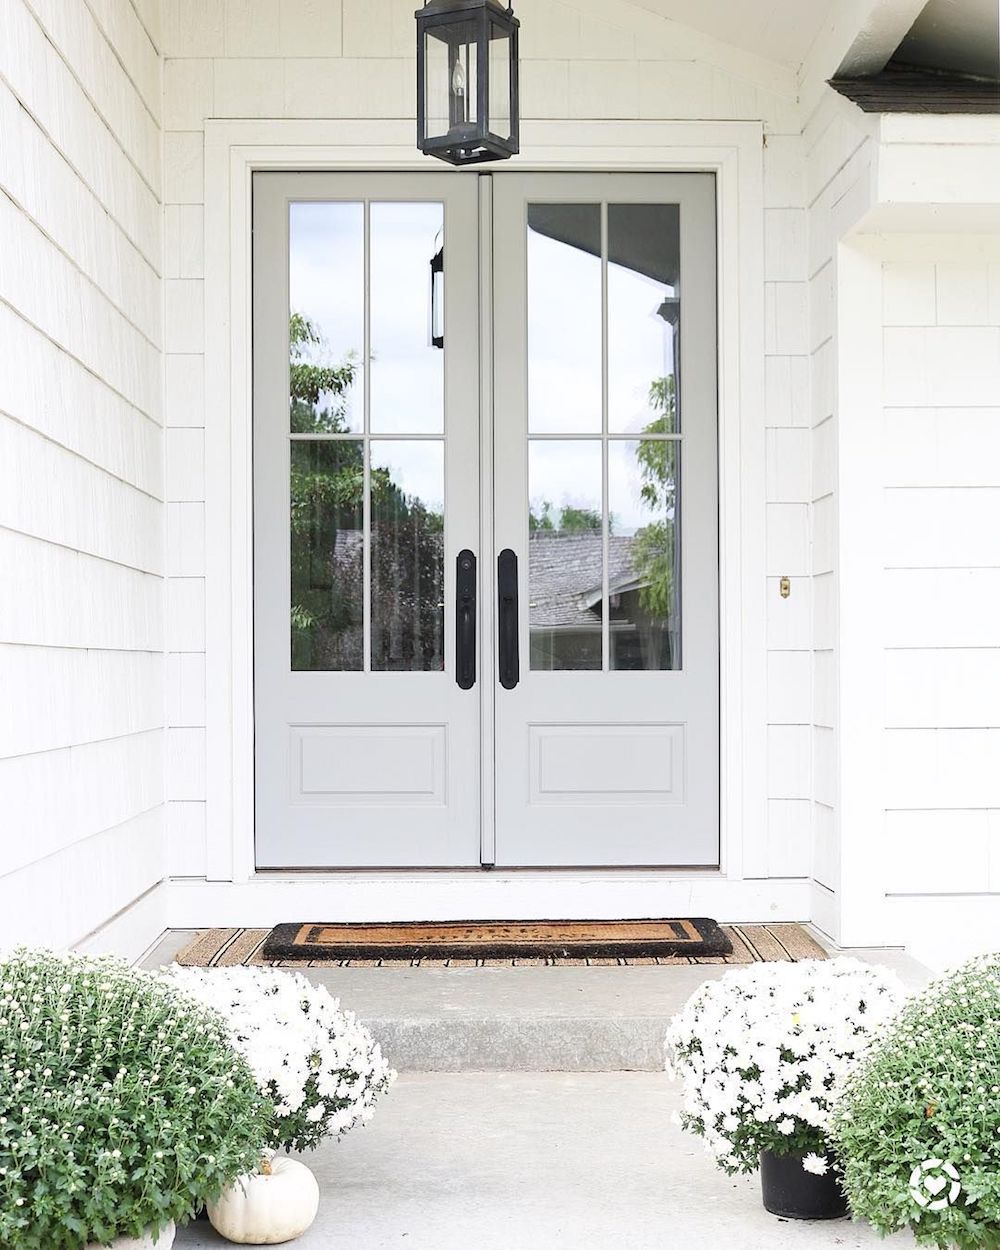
x: 233, y: 151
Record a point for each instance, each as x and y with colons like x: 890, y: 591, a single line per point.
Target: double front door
x: 485, y: 520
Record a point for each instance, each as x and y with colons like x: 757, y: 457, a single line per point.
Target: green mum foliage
x: 122, y: 1104
x: 918, y: 1127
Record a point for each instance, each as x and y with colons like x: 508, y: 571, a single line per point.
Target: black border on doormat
x: 461, y: 939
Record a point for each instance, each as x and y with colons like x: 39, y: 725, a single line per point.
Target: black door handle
x: 465, y: 619
x: 507, y: 631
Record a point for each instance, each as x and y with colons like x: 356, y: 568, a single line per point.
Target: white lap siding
x: 81, y: 474
x: 838, y: 163
x: 905, y: 344
x: 941, y: 571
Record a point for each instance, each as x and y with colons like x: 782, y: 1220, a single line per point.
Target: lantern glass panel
x: 499, y: 105
x: 436, y: 79
x: 451, y: 77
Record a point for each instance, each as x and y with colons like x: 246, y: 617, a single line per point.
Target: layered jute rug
x: 226, y: 948
x: 499, y: 939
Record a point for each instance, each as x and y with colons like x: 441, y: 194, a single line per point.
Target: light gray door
x: 584, y: 447
x: 366, y: 489
x: 605, y: 419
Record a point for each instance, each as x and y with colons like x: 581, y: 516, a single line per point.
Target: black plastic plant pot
x: 795, y: 1194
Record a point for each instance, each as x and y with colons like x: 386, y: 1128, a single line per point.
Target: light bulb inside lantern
x: 458, y: 78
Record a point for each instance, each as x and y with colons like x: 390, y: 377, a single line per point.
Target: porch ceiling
x: 959, y: 35
x: 781, y: 30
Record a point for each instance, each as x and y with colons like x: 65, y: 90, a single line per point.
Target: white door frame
x: 733, y: 151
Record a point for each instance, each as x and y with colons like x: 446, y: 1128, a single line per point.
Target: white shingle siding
x: 84, y: 47
x: 134, y: 44
x: 55, y: 494
x: 184, y: 389
x: 81, y: 469
x: 56, y: 596
x: 185, y: 540
x: 55, y: 799
x: 47, y: 86
x: 835, y: 156
x: 98, y: 878
x: 42, y: 183
x: 62, y: 697
x: 51, y: 390
x: 941, y: 557
x: 51, y: 293
x: 922, y: 820
x: 186, y: 839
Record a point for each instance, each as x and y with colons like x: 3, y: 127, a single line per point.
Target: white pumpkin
x: 268, y: 1207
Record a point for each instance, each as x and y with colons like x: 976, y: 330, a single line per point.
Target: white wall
x: 81, y: 473
x: 905, y: 550
x: 940, y: 558
x: 321, y: 58
x: 880, y: 439
x: 839, y: 154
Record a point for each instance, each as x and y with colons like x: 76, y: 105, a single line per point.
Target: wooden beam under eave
x: 857, y: 39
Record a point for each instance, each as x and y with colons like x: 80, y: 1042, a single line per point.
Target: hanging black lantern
x: 467, y: 80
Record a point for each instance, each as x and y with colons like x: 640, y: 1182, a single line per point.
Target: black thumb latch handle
x: 465, y: 619
x: 507, y: 595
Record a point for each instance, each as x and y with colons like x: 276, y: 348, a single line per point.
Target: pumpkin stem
x: 265, y: 1166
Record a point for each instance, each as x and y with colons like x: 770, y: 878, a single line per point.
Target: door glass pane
x: 327, y: 542
x: 565, y: 554
x: 564, y: 318
x: 645, y: 557
x: 407, y: 545
x: 326, y: 287
x: 407, y: 370
x: 643, y: 318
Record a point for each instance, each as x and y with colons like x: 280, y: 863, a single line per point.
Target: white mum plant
x: 764, y: 1051
x: 321, y: 1067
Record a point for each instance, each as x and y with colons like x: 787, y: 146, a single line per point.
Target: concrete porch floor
x: 538, y: 1161
x: 532, y: 1113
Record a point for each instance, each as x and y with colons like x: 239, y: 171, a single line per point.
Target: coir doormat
x: 505, y: 939
x: 751, y: 943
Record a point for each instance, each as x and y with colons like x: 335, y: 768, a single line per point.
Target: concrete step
x: 562, y: 1018
x: 529, y: 1019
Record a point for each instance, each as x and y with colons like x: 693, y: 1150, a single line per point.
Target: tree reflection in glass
x: 644, y: 488
x: 407, y: 551
x: 326, y: 512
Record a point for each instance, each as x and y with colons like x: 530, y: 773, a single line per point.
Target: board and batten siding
x: 324, y: 58
x: 81, y: 474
